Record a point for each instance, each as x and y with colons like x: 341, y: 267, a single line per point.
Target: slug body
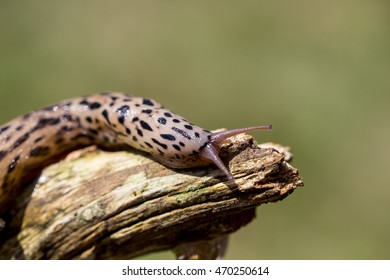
x: 110, y: 120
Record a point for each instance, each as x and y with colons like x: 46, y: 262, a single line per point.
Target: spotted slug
x: 36, y: 139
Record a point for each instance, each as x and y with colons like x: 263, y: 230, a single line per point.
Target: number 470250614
x: 241, y: 270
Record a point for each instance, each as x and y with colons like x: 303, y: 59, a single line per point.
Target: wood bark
x: 118, y: 205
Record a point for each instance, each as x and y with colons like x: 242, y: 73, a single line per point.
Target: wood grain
x: 118, y: 205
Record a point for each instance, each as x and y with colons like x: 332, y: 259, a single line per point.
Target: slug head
x: 212, y: 148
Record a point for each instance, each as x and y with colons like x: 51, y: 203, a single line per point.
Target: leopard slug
x: 36, y: 139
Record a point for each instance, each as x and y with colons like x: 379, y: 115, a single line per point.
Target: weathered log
x: 118, y: 205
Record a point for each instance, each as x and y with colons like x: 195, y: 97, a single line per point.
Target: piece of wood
x: 119, y: 205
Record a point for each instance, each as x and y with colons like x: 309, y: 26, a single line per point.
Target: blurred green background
x: 319, y: 71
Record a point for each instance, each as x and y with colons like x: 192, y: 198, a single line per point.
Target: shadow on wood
x: 119, y: 205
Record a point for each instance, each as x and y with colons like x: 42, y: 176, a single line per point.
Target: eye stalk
x: 212, y: 148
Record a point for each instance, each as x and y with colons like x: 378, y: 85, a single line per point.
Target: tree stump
x: 97, y: 204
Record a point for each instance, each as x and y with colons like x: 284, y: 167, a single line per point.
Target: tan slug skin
x: 34, y: 140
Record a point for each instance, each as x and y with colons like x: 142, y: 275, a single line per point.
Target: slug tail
x: 219, y: 137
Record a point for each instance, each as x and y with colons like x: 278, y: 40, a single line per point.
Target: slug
x: 36, y: 139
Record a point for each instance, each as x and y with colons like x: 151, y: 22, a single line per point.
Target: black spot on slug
x: 105, y: 115
x: 182, y: 132
x: 88, y: 119
x: 38, y: 139
x: 135, y: 139
x: 19, y: 127
x: 169, y: 137
x: 197, y: 135
x: 128, y: 131
x: 20, y: 141
x: 94, y: 105
x: 147, y: 111
x: 147, y: 102
x: 13, y: 163
x: 176, y: 120
x: 45, y: 122
x: 145, y: 125
x: 160, y: 144
x: 39, y: 151
x: 189, y: 127
x: 167, y: 114
x: 181, y: 144
x: 148, y: 144
x: 3, y: 129
x: 121, y: 119
x: 93, y: 131
x: 2, y: 154
x: 67, y: 117
x: 162, y: 120
x: 177, y: 147
x: 124, y: 110
x: 83, y: 102
x: 139, y: 131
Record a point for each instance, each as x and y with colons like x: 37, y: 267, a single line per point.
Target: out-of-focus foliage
x: 319, y: 71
